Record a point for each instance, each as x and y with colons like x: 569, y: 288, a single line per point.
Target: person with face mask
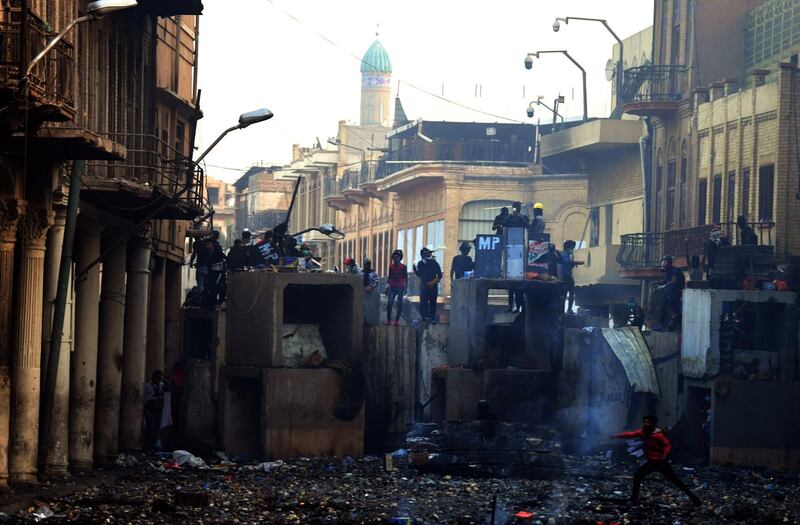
x: 461, y: 263
x: 672, y: 287
x: 565, y: 265
x: 349, y: 266
x: 397, y: 286
x: 497, y: 225
x: 430, y: 273
x: 656, y: 448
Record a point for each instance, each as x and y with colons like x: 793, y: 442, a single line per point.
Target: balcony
x: 334, y: 196
x: 50, y: 87
x: 640, y: 254
x: 155, y: 179
x: 653, y: 90
x: 350, y: 186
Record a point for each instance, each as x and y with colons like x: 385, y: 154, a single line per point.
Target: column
x: 109, y: 358
x: 24, y: 439
x: 53, y: 449
x: 172, y: 314
x: 134, y: 344
x: 155, y: 319
x: 83, y: 365
x: 9, y: 215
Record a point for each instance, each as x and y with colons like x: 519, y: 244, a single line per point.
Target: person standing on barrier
x: 396, y: 286
x: 429, y: 273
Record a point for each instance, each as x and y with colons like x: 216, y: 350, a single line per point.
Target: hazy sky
x: 253, y: 55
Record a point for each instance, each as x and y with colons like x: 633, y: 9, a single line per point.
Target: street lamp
x: 529, y: 65
x: 619, y: 73
x: 327, y: 229
x: 530, y: 111
x: 245, y: 120
x: 94, y: 11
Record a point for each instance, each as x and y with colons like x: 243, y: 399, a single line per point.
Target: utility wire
x: 362, y: 61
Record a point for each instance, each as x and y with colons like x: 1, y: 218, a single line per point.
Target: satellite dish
x: 610, y: 69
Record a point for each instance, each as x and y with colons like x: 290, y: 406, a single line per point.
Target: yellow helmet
x: 538, y: 206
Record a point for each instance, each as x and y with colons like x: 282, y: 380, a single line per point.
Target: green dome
x: 376, y: 59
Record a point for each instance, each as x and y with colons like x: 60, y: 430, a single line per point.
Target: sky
x: 299, y: 58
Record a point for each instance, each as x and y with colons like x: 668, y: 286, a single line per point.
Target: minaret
x: 376, y: 90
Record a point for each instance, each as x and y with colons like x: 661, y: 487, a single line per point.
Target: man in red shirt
x: 397, y: 284
x: 656, y: 447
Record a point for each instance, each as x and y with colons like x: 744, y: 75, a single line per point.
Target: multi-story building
x: 718, y: 115
x: 316, y: 169
x: 262, y: 199
x: 110, y: 108
x: 222, y: 197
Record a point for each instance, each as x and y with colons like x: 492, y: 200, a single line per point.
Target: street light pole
x: 553, y: 109
x: 529, y: 65
x: 619, y: 68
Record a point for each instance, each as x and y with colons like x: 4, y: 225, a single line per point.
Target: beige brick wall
x: 615, y: 177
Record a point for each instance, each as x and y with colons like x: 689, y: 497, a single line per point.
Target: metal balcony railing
x: 50, y: 83
x: 645, y: 250
x: 486, y: 152
x: 154, y: 163
x: 654, y: 84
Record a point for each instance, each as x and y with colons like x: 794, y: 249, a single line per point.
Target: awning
x: 631, y: 349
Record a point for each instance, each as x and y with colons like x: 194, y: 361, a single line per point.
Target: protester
x: 747, y: 235
x: 536, y: 230
x: 656, y: 447
x: 485, y: 412
x: 461, y: 263
x: 349, y: 266
x: 635, y: 313
x: 369, y: 276
x: 238, y: 257
x: 199, y: 261
x: 396, y: 286
x: 215, y: 280
x: 672, y: 285
x: 565, y: 265
x: 430, y: 273
x: 497, y: 225
x: 517, y: 219
x: 268, y: 254
x: 153, y: 397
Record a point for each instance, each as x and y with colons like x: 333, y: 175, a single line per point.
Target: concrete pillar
x: 172, y: 314
x: 83, y: 366
x: 9, y: 215
x: 134, y: 344
x: 109, y: 358
x: 155, y: 319
x: 24, y: 440
x: 53, y: 449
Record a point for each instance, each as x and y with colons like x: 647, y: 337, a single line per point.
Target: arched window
x: 658, y: 190
x: 683, y: 187
x: 671, y: 175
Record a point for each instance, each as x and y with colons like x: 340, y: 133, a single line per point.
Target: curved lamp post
x: 529, y: 65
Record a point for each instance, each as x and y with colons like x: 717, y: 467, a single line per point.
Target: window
x: 716, y: 199
x: 671, y: 168
x: 662, y: 37
x: 730, y: 199
x: 434, y: 240
x: 594, y: 225
x: 180, y: 132
x: 745, y: 207
x: 213, y: 196
x: 659, y: 182
x: 702, y: 195
x: 683, y: 187
x: 766, y: 191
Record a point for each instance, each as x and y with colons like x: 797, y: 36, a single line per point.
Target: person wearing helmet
x: 536, y: 230
x: 565, y: 265
x: 671, y: 287
x: 369, y: 276
x: 635, y: 313
x: 397, y: 286
x: 461, y: 263
x: 430, y: 273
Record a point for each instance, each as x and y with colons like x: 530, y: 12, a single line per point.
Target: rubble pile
x: 348, y: 491
x: 485, y: 449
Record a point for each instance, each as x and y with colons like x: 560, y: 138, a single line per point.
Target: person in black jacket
x: 430, y: 273
x: 237, y: 256
x: 215, y: 280
x: 461, y: 263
